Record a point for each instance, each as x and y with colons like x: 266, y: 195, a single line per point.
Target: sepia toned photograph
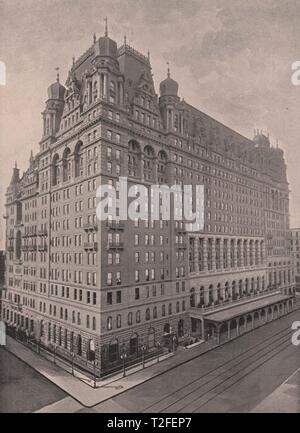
x: 150, y: 209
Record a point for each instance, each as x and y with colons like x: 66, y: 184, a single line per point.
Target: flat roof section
x: 239, y: 310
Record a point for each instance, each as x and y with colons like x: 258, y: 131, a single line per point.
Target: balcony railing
x: 232, y: 301
x: 115, y: 245
x: 90, y: 226
x: 90, y: 246
x: 42, y: 247
x: 42, y: 232
x: 180, y: 229
x: 115, y: 225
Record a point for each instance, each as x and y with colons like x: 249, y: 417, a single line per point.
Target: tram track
x: 227, y: 382
x: 173, y: 401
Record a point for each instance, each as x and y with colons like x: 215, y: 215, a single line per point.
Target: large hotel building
x: 84, y: 285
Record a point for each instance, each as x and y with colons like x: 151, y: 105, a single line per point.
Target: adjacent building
x: 84, y: 285
x: 295, y: 250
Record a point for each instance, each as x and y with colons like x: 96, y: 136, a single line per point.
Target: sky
x: 232, y: 60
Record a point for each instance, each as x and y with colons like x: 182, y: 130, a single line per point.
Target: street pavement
x: 22, y: 389
x: 246, y: 374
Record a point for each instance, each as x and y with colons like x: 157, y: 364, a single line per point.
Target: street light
x: 123, y: 356
x: 143, y: 349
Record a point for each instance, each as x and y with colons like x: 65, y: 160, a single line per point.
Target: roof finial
x: 73, y: 60
x: 125, y: 40
x: 106, y: 27
x: 16, y: 165
x: 94, y: 38
x: 168, y: 73
x: 57, y: 74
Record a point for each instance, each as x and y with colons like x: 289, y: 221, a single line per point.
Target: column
x: 213, y: 254
x: 228, y: 327
x: 234, y: 252
x: 252, y: 253
x: 196, y: 254
x: 221, y: 254
x: 228, y: 253
x: 104, y: 86
x: 248, y: 251
x: 202, y: 329
x: 242, y: 253
x: 218, y: 334
x: 205, y: 268
x: 262, y: 252
x: 237, y: 327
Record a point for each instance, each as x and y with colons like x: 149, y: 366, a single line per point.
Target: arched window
x: 170, y: 309
x: 138, y: 316
x: 134, y: 159
x: 66, y: 165
x: 78, y: 159
x: 162, y: 166
x: 149, y: 163
x: 55, y: 170
x: 129, y: 321
x: 119, y: 321
x: 113, y: 351
x: 148, y: 314
x: 155, y: 313
x: 109, y: 323
x: 133, y: 344
x: 163, y: 310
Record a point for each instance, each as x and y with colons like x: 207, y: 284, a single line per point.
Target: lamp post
x: 158, y: 345
x: 143, y: 348
x: 123, y: 356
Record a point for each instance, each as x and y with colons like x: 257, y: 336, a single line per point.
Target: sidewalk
x: 285, y: 398
x: 82, y: 392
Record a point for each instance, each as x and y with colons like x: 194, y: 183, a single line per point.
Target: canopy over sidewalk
x: 242, y: 309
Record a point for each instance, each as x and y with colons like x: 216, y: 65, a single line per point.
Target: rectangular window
x: 109, y: 298
x: 119, y: 297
